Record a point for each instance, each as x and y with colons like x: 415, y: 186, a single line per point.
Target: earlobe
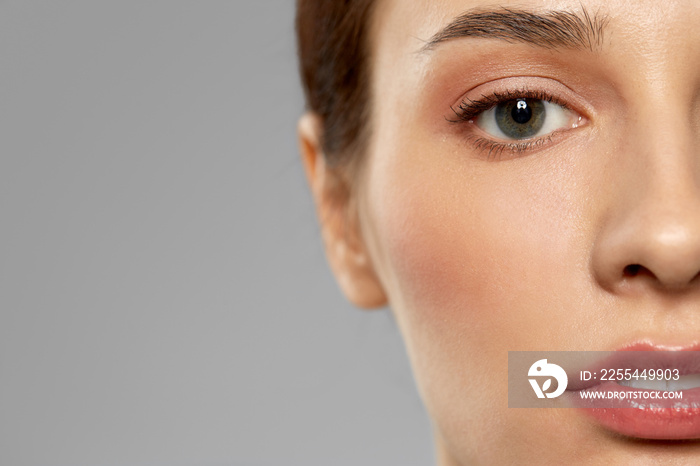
x: 345, y: 250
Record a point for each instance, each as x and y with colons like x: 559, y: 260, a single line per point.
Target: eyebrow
x: 549, y: 29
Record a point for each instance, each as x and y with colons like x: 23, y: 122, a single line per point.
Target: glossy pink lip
x: 644, y: 418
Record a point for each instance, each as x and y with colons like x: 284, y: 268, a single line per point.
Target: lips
x: 642, y: 407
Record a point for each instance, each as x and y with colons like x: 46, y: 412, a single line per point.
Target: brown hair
x: 333, y: 58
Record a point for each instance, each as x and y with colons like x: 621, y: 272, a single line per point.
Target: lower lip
x: 644, y: 418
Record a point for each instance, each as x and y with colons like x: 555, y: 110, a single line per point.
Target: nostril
x: 638, y: 271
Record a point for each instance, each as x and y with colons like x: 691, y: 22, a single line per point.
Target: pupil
x: 522, y: 112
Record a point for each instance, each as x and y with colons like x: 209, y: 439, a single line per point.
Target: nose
x: 651, y: 234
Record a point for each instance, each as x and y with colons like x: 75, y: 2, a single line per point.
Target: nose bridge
x: 652, y: 232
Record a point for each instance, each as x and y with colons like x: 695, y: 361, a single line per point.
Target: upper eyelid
x: 466, y: 112
x: 575, y: 98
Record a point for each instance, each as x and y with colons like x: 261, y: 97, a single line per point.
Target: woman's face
x: 569, y: 221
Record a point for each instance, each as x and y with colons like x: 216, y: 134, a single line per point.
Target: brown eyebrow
x: 548, y: 29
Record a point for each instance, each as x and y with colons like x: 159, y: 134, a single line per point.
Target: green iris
x: 521, y: 118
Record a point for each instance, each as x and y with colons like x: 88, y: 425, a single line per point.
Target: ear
x: 337, y: 213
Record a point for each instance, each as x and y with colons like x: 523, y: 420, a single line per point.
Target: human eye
x: 516, y: 121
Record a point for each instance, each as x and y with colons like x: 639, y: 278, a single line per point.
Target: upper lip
x: 637, y: 356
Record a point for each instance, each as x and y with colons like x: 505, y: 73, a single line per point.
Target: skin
x: 478, y: 256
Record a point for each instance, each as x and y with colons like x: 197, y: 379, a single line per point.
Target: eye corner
x: 581, y: 121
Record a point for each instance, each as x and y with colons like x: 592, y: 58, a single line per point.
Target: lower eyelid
x: 493, y: 149
x: 496, y: 151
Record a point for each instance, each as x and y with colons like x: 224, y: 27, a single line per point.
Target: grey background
x: 163, y: 294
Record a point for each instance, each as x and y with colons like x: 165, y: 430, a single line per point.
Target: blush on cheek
x: 455, y: 263
x: 473, y: 265
x: 473, y: 272
x: 478, y: 257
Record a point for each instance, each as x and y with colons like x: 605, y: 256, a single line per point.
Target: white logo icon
x: 543, y: 369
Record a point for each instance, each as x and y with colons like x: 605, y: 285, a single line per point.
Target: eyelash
x: 469, y: 109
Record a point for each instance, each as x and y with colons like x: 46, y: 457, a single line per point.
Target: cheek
x: 480, y: 253
x: 480, y: 259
